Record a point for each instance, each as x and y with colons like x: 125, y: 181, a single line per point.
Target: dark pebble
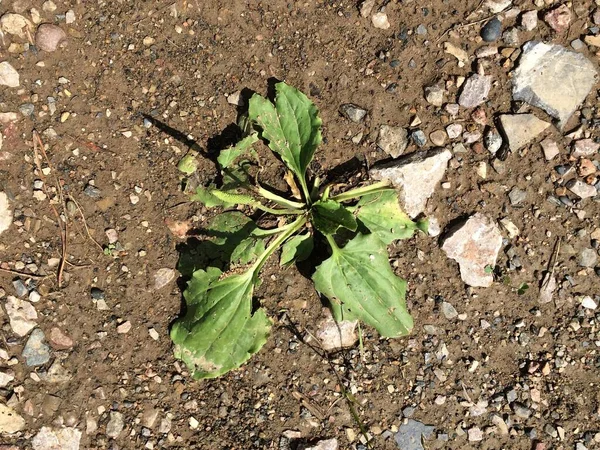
x: 566, y: 201
x: 97, y: 293
x: 394, y: 63
x: 20, y: 288
x: 492, y: 30
x: 418, y: 138
x: 562, y: 170
x: 92, y: 191
x: 392, y: 88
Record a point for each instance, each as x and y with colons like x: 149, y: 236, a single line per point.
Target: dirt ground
x: 111, y: 75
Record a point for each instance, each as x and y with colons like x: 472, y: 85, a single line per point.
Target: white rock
x: 380, y: 20
x: 454, y: 130
x: 6, y: 377
x: 10, y: 421
x: 328, y: 444
x: 520, y: 129
x: 457, y: 52
x: 70, y: 17
x: 475, y: 246
x: 22, y: 315
x: 417, y: 175
x: 235, y: 99
x: 6, y: 215
x: 15, y: 24
x: 392, y: 140
x: 581, y: 189
x: 366, y: 7
x: 115, y: 425
x: 475, y: 91
x: 66, y: 438
x: 336, y: 335
x: 434, y: 95
x: 497, y: 6
x: 163, y: 276
x: 584, y: 147
x: 588, y: 302
x: 8, y: 75
x: 553, y: 78
x: 529, y: 20
x: 550, y: 149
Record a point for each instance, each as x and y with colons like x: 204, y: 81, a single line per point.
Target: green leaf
x: 360, y: 284
x: 292, y: 126
x: 234, y: 198
x: 228, y: 156
x: 205, y: 195
x: 328, y: 216
x: 219, y: 331
x: 382, y: 215
x: 228, y: 238
x: 296, y: 249
x: 188, y: 164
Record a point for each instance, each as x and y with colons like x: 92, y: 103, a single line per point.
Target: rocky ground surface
x: 483, y: 114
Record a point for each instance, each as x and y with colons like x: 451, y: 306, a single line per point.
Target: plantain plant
x: 221, y: 328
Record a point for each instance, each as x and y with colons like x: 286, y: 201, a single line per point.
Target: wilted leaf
x: 219, y: 331
x: 382, y: 215
x: 360, y: 284
x: 292, y: 126
x: 296, y: 249
x: 328, y: 216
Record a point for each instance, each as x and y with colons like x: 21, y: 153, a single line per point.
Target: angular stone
x: 15, y: 24
x: 56, y: 439
x: 336, y: 335
x: 22, y: 315
x: 584, y: 147
x: 8, y: 75
x: 457, y: 52
x: 587, y: 257
x: 36, y: 352
x: 327, y: 444
x: 392, y: 140
x: 163, y: 277
x: 6, y: 215
x: 56, y: 374
x: 353, y: 112
x: 475, y: 91
x: 10, y: 421
x: 553, y: 78
x: 581, y: 189
x: 520, y: 129
x: 550, y: 149
x: 411, y: 433
x: 475, y: 246
x: 417, y: 175
x: 434, y: 95
x: 558, y: 18
x: 6, y: 377
x: 115, y: 425
x: 380, y: 20
x: 59, y: 340
x: 529, y: 20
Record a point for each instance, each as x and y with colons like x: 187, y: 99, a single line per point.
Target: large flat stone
x: 416, y: 175
x: 475, y: 246
x: 521, y: 129
x: 553, y: 78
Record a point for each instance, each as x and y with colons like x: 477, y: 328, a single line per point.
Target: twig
x: 23, y: 274
x: 62, y: 224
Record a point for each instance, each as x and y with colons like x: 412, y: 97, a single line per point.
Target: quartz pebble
x: 529, y: 20
x: 434, y: 95
x: 49, y: 37
x: 475, y: 90
x: 163, y: 277
x: 392, y: 140
x: 8, y: 75
x: 550, y: 149
x: 380, y: 20
x: 65, y: 438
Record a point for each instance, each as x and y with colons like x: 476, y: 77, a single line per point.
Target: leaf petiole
x: 278, y: 212
x: 334, y: 247
x: 384, y: 185
x: 293, y: 227
x: 278, y: 199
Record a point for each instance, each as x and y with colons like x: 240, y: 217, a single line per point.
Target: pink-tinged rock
x: 49, y: 37
x: 66, y: 438
x: 58, y: 340
x: 475, y: 246
x: 585, y: 147
x: 475, y: 91
x: 336, y: 335
x: 558, y: 18
x: 550, y: 149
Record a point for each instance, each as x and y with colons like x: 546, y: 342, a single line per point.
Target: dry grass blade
x: 87, y: 230
x: 38, y: 148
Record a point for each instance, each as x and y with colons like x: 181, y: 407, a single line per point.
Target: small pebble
x: 97, y: 293
x: 588, y: 302
x: 92, y: 191
x: 491, y: 30
x: 418, y: 138
x: 449, y: 311
x: 49, y: 37
x: 124, y: 327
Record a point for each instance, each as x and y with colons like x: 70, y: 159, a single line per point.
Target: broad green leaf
x: 219, y: 331
x: 296, y: 249
x: 360, y: 284
x: 227, y: 240
x: 292, y: 126
x: 248, y: 250
x: 381, y: 214
x: 229, y: 155
x: 328, y: 216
